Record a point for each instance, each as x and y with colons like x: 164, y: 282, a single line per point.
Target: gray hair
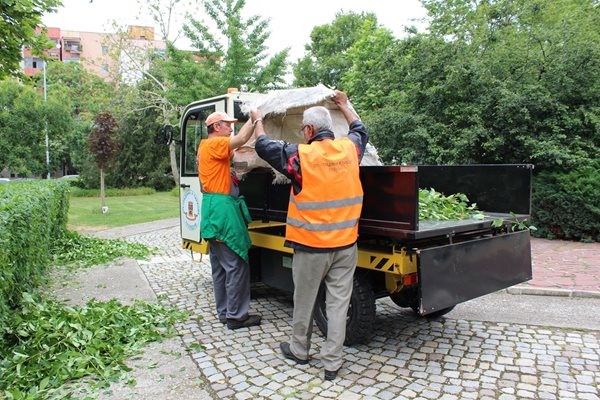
x: 318, y: 117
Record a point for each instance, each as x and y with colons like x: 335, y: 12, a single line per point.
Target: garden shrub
x: 113, y: 192
x: 566, y: 205
x: 161, y: 182
x: 32, y: 216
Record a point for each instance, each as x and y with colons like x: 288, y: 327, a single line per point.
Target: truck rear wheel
x: 361, y: 312
x: 434, y: 314
x: 409, y: 299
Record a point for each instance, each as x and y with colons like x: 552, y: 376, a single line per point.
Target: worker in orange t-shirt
x: 224, y: 221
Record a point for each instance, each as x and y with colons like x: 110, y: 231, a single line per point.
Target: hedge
x: 566, y: 205
x: 32, y: 216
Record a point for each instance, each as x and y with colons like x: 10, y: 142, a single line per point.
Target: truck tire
x: 361, y: 312
x: 409, y: 300
x: 434, y: 314
x: 405, y: 298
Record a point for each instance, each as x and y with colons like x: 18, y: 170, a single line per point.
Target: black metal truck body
x: 455, y: 260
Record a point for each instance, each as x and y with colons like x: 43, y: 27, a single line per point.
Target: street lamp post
x: 46, y: 125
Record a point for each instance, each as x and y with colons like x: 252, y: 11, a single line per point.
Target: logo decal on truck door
x: 189, y: 208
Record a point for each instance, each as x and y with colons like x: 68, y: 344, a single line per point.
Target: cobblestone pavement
x: 409, y: 358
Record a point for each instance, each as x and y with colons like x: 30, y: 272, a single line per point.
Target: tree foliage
x: 22, y: 122
x: 18, y: 24
x: 506, y: 82
x: 327, y: 59
x: 103, y: 145
x: 237, y: 49
x: 102, y: 141
x: 143, y: 158
x: 85, y: 93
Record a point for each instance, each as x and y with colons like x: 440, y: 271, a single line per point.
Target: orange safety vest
x: 326, y: 211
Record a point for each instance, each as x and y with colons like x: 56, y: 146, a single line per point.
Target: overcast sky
x: 290, y: 21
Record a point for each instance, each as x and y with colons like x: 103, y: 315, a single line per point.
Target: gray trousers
x: 336, y: 270
x: 231, y: 281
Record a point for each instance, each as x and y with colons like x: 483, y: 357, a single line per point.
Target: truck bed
x: 390, y: 206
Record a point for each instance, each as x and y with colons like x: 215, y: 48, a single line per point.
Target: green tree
x: 143, y: 158
x: 18, y: 24
x: 363, y: 79
x: 83, y: 95
x: 103, y: 145
x: 506, y: 82
x: 241, y: 61
x: 86, y: 93
x: 327, y: 59
x: 22, y: 122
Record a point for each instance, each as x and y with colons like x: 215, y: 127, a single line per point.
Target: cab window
x: 194, y: 131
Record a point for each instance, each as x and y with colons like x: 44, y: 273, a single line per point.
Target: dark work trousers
x: 231, y: 281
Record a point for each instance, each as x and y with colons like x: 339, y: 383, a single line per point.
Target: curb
x: 541, y: 291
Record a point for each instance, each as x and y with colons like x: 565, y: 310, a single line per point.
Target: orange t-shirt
x: 213, y: 165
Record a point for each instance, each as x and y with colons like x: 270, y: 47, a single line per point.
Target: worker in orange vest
x: 322, y: 222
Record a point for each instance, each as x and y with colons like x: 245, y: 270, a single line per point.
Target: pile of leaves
x: 435, y: 206
x: 73, y: 249
x: 48, y: 344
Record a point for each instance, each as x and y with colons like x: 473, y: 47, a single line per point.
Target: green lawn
x: 85, y: 212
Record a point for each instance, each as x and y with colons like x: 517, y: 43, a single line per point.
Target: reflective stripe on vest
x: 319, y: 205
x: 325, y: 213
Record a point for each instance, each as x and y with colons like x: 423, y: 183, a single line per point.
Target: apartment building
x: 97, y: 52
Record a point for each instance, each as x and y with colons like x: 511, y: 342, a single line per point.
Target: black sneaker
x: 331, y: 375
x: 250, y: 320
x: 222, y: 319
x: 287, y: 353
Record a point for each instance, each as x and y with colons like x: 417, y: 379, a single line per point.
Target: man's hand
x: 257, y: 117
x: 340, y: 98
x: 256, y: 114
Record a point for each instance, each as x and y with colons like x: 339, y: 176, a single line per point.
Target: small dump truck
x: 427, y: 266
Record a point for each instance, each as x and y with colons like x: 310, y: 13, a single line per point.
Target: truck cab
x: 192, y: 130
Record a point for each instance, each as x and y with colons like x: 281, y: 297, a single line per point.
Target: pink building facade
x: 94, y: 50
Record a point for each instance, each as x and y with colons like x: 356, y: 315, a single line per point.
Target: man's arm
x: 274, y: 152
x: 357, y: 131
x: 242, y: 136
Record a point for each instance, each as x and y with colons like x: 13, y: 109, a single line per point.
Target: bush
x: 141, y: 191
x: 161, y: 182
x: 566, y: 205
x: 32, y: 216
x: 76, y: 183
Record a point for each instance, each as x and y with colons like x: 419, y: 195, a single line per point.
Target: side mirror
x: 166, y: 133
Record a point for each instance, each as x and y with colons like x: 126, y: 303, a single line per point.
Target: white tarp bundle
x: 282, y: 119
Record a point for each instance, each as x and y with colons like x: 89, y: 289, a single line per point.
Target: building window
x: 104, y: 50
x: 72, y: 58
x: 34, y: 64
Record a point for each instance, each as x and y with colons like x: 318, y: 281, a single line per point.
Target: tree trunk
x: 173, y: 158
x: 102, y: 189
